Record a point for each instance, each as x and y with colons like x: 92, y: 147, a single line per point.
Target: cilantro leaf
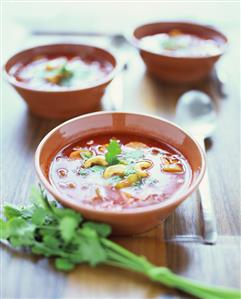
x: 20, y: 232
x: 90, y: 248
x: 113, y: 150
x: 4, y: 234
x: 40, y: 199
x: 67, y: 227
x: 61, y: 213
x: 51, y: 241
x: 102, y: 229
x: 64, y: 264
x: 11, y: 211
x: 27, y: 212
x: 39, y: 215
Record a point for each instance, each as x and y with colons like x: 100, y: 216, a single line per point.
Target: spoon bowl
x: 196, y: 112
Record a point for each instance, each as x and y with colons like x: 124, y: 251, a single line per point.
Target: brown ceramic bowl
x: 70, y: 102
x: 125, y: 222
x: 178, y: 69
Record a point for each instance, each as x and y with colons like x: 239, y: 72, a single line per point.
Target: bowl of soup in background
x: 63, y: 165
x: 179, y: 52
x: 60, y: 81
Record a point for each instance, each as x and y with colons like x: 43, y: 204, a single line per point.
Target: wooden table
x: 177, y: 242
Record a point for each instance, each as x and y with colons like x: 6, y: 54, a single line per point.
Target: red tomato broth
x: 82, y: 72
x: 71, y: 178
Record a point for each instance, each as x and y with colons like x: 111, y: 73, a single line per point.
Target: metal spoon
x: 196, y: 113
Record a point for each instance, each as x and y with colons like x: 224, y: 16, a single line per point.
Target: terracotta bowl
x: 125, y: 222
x: 178, y: 69
x: 62, y: 104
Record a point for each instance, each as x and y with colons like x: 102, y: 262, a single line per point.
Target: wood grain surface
x: 177, y: 243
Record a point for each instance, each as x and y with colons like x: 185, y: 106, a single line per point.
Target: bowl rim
x: 105, y: 80
x: 175, y: 200
x: 135, y: 41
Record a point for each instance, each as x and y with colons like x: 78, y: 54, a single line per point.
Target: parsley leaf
x: 102, y: 229
x: 11, y: 211
x: 67, y: 227
x: 4, y: 234
x: 113, y: 150
x: 90, y: 248
x: 39, y: 216
x: 64, y: 264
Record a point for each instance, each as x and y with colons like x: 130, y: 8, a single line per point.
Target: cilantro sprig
x: 52, y: 231
x: 113, y: 150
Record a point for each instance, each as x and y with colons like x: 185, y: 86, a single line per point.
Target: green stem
x: 115, y: 257
x: 126, y: 253
x: 192, y: 287
x: 218, y: 292
x: 121, y: 257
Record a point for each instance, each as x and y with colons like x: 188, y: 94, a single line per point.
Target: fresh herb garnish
x: 58, y: 75
x: 151, y: 181
x: 114, y: 179
x: 113, y: 150
x: 97, y: 168
x: 63, y: 234
x: 130, y: 169
x: 83, y: 172
x: 133, y: 155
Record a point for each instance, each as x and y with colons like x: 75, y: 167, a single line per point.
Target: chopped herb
x: 133, y: 155
x: 113, y: 150
x: 124, y: 162
x: 151, y: 181
x: 138, y: 183
x: 97, y: 168
x: 114, y: 179
x: 83, y: 172
x: 130, y: 169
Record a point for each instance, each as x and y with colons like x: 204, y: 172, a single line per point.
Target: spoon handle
x: 209, y: 222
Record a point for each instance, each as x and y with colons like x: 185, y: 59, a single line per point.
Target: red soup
x: 119, y: 172
x: 60, y: 72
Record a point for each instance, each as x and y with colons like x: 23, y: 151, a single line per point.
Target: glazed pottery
x: 67, y: 103
x: 136, y: 220
x: 178, y: 69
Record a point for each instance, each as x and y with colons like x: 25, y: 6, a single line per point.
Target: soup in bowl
x: 179, y: 52
x: 128, y: 170
x: 61, y: 80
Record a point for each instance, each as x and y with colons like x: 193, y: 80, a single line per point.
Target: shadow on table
x: 170, y: 92
x: 34, y: 128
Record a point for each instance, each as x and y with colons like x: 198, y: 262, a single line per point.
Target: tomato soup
x: 62, y: 72
x: 117, y: 172
x: 178, y: 44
